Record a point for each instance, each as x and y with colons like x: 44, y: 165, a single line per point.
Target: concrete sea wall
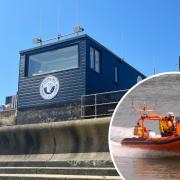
x: 78, y: 136
x: 76, y: 149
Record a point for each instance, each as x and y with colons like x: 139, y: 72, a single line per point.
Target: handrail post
x: 81, y: 106
x: 95, y: 105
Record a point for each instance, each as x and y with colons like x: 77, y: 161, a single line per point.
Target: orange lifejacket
x: 167, y: 125
x: 138, y: 131
x: 163, y: 126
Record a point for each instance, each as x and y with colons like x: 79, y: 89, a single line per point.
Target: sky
x: 145, y: 33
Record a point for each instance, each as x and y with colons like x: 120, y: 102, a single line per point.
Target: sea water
x: 139, y: 164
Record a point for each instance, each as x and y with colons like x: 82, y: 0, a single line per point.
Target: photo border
x: 119, y: 103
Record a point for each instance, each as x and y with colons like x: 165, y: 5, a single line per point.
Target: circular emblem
x: 139, y: 78
x: 49, y: 87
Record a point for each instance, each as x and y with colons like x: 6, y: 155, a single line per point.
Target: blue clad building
x: 53, y: 77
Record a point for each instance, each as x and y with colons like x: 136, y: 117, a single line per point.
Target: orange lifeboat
x: 169, y: 143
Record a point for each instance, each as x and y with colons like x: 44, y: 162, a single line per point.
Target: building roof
x: 76, y: 38
x: 53, y: 43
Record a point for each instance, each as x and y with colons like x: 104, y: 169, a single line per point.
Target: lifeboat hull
x: 171, y: 143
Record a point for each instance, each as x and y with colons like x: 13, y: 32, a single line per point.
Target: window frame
x: 27, y: 60
x: 116, y: 75
x: 94, y: 59
x: 92, y: 62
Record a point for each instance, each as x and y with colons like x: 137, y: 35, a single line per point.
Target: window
x: 116, y: 77
x: 52, y: 61
x: 92, y: 65
x: 95, y: 59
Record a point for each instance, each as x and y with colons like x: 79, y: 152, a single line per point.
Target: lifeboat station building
x: 54, y: 77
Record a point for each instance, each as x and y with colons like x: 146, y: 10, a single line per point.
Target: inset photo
x: 144, y: 134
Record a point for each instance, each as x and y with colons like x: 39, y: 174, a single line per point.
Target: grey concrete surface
x: 162, y: 94
x: 8, y: 118
x: 65, y: 112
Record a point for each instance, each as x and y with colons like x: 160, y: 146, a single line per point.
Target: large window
x: 95, y: 59
x: 52, y: 61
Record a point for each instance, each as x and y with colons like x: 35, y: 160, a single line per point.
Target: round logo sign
x: 49, y: 87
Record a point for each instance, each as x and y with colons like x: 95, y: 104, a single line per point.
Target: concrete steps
x: 50, y: 177
x: 58, y: 166
x: 48, y: 173
x: 59, y: 170
x: 68, y: 163
x: 46, y: 170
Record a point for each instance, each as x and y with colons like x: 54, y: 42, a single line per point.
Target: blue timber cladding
x: 75, y: 82
x: 104, y: 81
x: 72, y: 81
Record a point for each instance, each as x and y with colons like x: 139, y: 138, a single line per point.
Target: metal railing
x: 100, y: 104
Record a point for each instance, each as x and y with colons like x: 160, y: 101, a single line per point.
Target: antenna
x: 77, y: 13
x: 179, y: 63
x: 122, y: 42
x: 154, y: 68
x: 76, y: 30
x: 40, y: 23
x: 58, y: 22
x: 143, y: 109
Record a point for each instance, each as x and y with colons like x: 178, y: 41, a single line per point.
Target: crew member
x: 163, y: 127
x: 140, y: 131
x: 171, y: 122
x: 167, y: 125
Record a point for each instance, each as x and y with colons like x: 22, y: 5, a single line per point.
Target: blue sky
x: 146, y: 33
